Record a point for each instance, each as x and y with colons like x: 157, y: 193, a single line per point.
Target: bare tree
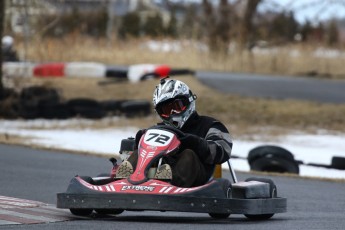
x: 2, y: 20
x: 209, y: 23
x: 247, y: 21
x: 223, y: 26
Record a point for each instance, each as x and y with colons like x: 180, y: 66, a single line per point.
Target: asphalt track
x: 276, y: 87
x: 312, y: 204
x: 39, y: 174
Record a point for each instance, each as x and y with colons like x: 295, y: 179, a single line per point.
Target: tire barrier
x: 338, y: 163
x: 49, y: 70
x: 86, y: 108
x: 142, y: 72
x: 136, y: 108
x: 57, y: 111
x: 118, y: 72
x: 18, y: 69
x: 85, y: 69
x: 35, y: 101
x: 133, y: 73
x: 271, y: 158
x: 43, y: 102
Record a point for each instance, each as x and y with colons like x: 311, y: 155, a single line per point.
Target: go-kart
x: 256, y: 198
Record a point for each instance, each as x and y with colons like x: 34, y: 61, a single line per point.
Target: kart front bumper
x: 135, y: 202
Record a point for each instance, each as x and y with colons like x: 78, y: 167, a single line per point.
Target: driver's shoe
x: 163, y: 172
x: 125, y: 170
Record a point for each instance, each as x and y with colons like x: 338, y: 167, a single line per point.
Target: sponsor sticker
x: 138, y: 188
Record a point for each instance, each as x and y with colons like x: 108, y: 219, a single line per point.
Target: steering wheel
x: 178, y: 132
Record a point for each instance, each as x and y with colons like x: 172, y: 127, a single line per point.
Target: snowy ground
x: 308, y: 148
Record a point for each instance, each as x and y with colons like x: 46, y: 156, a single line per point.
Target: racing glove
x: 138, y: 136
x: 197, y: 144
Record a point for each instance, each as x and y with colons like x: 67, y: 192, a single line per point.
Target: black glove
x: 138, y: 136
x: 197, y: 144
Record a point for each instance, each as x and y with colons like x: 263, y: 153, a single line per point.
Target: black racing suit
x: 194, y: 164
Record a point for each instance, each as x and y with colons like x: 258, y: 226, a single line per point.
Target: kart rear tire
x: 109, y: 211
x: 259, y: 217
x: 81, y: 211
x: 219, y: 215
x: 273, y: 194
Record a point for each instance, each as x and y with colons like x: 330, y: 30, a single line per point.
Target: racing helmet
x: 174, y: 102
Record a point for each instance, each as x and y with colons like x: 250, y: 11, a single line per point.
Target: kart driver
x: 206, y: 142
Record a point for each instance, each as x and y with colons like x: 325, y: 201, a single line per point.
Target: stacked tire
x: 136, y: 108
x: 41, y: 102
x: 85, y: 108
x: 44, y: 102
x: 9, y: 103
x: 269, y: 158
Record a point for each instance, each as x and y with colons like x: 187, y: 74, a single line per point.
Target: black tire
x: 136, y: 108
x: 338, y: 163
x: 86, y: 108
x: 33, y: 99
x: 81, y: 211
x: 28, y: 112
x: 82, y: 102
x: 219, y: 215
x: 109, y: 211
x: 273, y: 194
x: 116, y: 72
x: 7, y: 92
x: 259, y: 217
x: 226, y: 186
x: 10, y: 107
x: 269, y: 158
x: 274, y: 164
x: 58, y: 111
x: 113, y: 107
x: 88, y: 112
x: 262, y: 151
x: 39, y: 95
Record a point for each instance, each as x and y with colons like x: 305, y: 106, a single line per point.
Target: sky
x: 317, y: 149
x: 312, y: 10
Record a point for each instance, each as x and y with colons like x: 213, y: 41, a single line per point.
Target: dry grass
x: 286, y: 60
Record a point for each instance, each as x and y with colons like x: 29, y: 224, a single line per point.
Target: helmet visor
x: 173, y: 106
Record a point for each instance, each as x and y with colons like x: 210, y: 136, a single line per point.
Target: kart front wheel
x: 109, y: 211
x: 259, y: 217
x: 219, y: 215
x: 80, y: 211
